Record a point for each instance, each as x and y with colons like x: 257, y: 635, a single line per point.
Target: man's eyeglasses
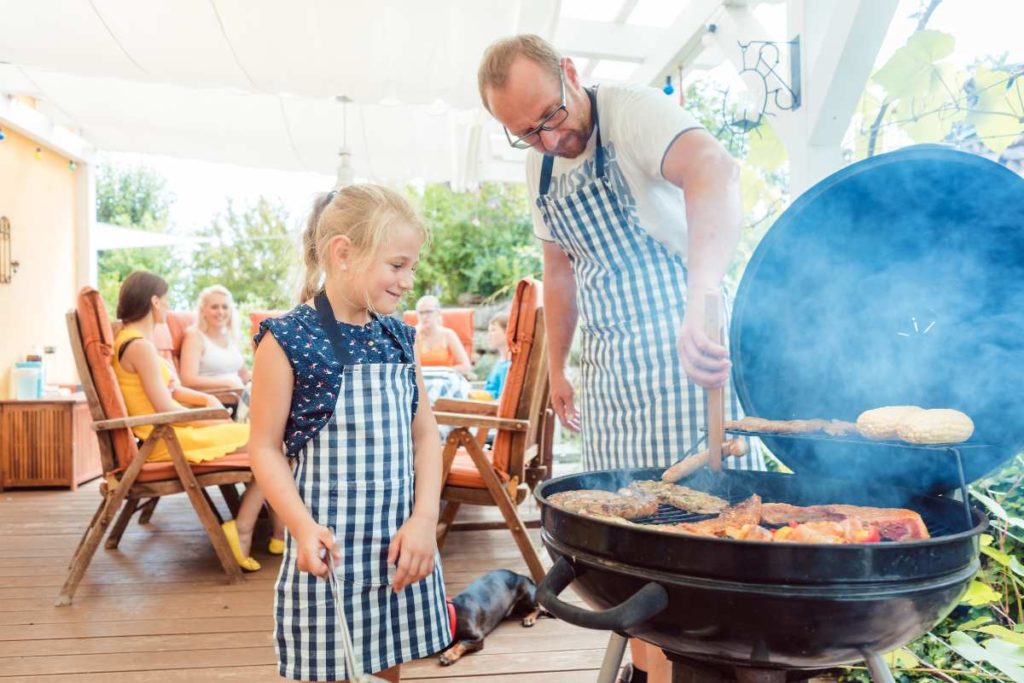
x: 550, y: 122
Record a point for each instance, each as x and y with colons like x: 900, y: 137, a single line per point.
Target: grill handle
x: 641, y: 606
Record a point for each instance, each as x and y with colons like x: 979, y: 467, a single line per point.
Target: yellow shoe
x: 276, y: 546
x: 249, y: 564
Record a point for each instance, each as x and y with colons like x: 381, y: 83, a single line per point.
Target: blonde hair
x: 499, y: 57
x: 203, y: 299
x: 365, y: 214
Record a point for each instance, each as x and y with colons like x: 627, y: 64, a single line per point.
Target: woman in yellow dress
x: 149, y: 385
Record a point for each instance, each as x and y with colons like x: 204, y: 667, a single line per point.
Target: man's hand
x: 562, y: 401
x: 705, y: 362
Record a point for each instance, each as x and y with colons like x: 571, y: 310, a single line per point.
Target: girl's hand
x: 413, y: 549
x: 310, y: 541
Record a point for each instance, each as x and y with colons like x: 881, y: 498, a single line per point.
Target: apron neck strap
x: 549, y: 161
x: 330, y: 324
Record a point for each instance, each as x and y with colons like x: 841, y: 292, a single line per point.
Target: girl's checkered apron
x: 637, y: 407
x: 356, y: 477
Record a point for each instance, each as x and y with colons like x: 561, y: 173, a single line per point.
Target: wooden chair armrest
x: 227, y: 396
x: 462, y: 405
x: 487, y: 422
x: 173, y: 417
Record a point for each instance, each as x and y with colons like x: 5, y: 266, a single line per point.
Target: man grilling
x: 636, y: 205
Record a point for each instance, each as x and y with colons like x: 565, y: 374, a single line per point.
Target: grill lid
x: 898, y: 280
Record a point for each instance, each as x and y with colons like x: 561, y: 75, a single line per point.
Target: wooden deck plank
x: 159, y: 609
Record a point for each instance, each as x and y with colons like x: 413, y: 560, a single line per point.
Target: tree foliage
x: 481, y: 243
x: 250, y: 251
x: 134, y: 197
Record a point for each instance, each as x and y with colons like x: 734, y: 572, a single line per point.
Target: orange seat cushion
x: 177, y: 323
x: 458, y: 319
x: 465, y: 474
x: 163, y: 471
x: 97, y: 342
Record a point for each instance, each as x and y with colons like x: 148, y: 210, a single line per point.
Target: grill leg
x: 612, y: 659
x: 876, y: 667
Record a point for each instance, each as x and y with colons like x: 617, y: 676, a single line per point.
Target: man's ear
x: 340, y: 251
x: 571, y: 75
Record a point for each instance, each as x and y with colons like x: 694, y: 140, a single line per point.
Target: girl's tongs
x: 352, y: 667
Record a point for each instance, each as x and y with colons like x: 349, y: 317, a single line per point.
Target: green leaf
x: 1003, y: 633
x: 985, y: 540
x: 933, y: 114
x: 991, y: 505
x: 974, y: 623
x: 766, y: 149
x: 1005, y: 656
x: 901, y: 659
x: 979, y: 594
x: 997, y: 555
x: 1016, y: 567
x: 912, y: 68
x: 998, y: 114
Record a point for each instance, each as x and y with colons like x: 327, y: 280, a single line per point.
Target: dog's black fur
x: 487, y: 602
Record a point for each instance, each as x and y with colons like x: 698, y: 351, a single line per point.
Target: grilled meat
x: 681, y: 497
x: 736, y: 516
x: 627, y: 503
x: 892, y: 524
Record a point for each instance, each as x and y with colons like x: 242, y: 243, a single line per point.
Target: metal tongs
x: 352, y: 666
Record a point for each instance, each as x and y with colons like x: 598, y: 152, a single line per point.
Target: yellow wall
x: 38, y: 196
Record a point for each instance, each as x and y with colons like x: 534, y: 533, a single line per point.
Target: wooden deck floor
x: 157, y: 609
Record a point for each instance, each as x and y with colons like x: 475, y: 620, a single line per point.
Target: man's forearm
x: 560, y: 313
x: 714, y: 213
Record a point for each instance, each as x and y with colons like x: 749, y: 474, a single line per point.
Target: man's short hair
x: 498, y: 59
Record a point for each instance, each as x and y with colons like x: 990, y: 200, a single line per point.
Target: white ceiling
x: 254, y: 82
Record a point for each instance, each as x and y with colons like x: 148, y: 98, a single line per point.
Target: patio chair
x: 504, y: 475
x: 130, y: 483
x: 458, y: 319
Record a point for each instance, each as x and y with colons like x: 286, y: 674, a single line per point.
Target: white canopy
x: 255, y: 82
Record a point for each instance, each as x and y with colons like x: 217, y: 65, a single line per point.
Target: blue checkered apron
x: 637, y: 407
x: 356, y: 477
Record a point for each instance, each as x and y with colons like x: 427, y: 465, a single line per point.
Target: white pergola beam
x: 851, y: 33
x: 678, y: 43
x: 604, y: 40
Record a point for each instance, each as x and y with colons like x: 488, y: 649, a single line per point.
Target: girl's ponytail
x: 314, y: 272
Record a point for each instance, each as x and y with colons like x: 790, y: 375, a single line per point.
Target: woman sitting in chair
x: 210, y: 357
x: 437, y: 345
x: 150, y: 386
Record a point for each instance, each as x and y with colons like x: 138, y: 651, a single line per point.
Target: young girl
x: 335, y: 381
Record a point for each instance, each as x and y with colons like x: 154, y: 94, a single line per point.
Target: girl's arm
x: 141, y: 358
x: 269, y: 406
x: 462, y: 363
x: 191, y: 353
x: 414, y: 546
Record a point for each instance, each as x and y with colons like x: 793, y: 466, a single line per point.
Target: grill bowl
x: 760, y: 604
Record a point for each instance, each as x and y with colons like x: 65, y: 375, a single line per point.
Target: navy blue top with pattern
x: 317, y: 372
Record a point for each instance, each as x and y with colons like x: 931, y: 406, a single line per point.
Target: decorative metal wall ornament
x: 763, y: 58
x: 8, y: 267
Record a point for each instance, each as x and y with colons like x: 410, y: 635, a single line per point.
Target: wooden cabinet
x: 48, y: 442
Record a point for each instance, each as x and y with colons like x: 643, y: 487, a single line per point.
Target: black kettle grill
x: 898, y: 280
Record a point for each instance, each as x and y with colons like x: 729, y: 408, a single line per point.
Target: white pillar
x: 86, y: 271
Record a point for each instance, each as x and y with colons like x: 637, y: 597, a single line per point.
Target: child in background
x: 497, y: 337
x: 335, y: 381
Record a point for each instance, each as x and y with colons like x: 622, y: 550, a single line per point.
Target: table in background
x: 47, y: 442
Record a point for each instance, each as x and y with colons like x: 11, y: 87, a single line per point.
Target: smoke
x: 899, y: 280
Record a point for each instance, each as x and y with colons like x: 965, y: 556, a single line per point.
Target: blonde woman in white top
x: 210, y: 357
x: 211, y: 361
